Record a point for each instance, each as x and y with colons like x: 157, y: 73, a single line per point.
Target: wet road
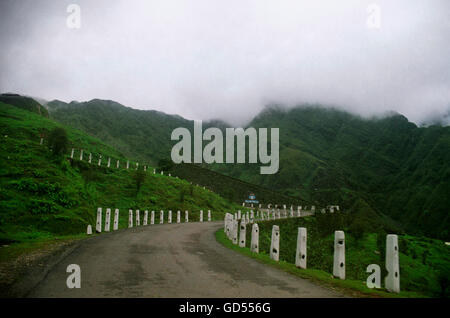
x: 170, y: 260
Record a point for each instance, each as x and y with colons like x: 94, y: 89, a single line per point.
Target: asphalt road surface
x: 170, y: 260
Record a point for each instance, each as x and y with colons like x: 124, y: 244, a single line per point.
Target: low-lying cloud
x: 209, y: 59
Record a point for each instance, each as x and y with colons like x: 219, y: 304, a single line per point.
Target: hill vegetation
x: 24, y: 102
x: 424, y: 262
x: 43, y: 194
x: 386, y: 165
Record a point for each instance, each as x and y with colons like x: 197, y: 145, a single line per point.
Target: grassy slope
x: 41, y: 197
x: 326, y: 156
x: 423, y: 262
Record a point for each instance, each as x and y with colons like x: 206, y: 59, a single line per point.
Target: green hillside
x: 42, y: 195
x: 424, y: 263
x: 25, y: 103
x: 393, y: 166
x: 144, y: 135
x: 388, y: 165
x: 231, y: 188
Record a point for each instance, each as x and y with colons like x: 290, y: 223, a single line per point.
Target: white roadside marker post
x: 98, y: 225
x: 108, y: 220
x: 275, y: 243
x: 254, y: 244
x: 392, y: 280
x: 300, y: 257
x: 339, y: 255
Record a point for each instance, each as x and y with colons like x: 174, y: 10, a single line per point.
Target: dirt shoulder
x: 23, y: 265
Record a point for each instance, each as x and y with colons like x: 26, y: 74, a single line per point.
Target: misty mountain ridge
x: 382, y: 165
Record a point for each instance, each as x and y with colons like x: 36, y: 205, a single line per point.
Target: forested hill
x: 383, y: 166
x: 144, y: 135
x: 388, y: 165
x: 24, y: 102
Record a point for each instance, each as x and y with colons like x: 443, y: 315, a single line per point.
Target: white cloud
x: 208, y: 59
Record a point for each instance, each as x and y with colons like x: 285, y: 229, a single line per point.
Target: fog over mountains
x: 206, y: 60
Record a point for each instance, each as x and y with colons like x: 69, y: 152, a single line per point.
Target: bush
x: 58, y: 141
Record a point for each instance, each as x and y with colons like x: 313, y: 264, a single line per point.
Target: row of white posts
x: 100, y: 160
x: 109, y: 162
x: 331, y: 208
x: 251, y: 216
x: 98, y: 226
x: 392, y: 281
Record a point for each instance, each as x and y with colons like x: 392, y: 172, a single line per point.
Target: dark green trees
x: 58, y: 141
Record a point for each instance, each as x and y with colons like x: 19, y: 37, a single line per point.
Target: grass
x: 416, y: 279
x: 43, y: 197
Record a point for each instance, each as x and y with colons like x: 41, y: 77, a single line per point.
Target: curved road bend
x: 170, y: 260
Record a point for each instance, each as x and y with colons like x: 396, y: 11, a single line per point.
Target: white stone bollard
x: 161, y: 217
x: 100, y: 160
x: 98, y: 225
x: 130, y: 218
x: 154, y: 171
x: 201, y: 215
x: 116, y: 220
x: 152, y: 218
x: 145, y: 168
x: 209, y: 215
x: 138, y: 218
x: 254, y: 244
x: 178, y: 216
x: 300, y: 257
x: 128, y: 164
x: 89, y: 229
x: 42, y: 141
x: 145, y: 217
x: 234, y: 234
x: 169, y: 217
x: 90, y: 157
x: 117, y: 164
x: 108, y: 220
x: 162, y: 173
x: 242, y: 234
x: 137, y: 165
x: 186, y: 216
x: 71, y: 155
x: 275, y: 243
x: 109, y: 162
x: 227, y: 224
x: 339, y: 255
x: 239, y: 214
x: 243, y: 203
x: 81, y: 155
x: 392, y: 280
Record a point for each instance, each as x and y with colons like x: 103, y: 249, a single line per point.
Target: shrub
x: 58, y: 141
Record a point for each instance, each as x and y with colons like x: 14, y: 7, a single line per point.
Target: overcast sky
x: 206, y: 59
